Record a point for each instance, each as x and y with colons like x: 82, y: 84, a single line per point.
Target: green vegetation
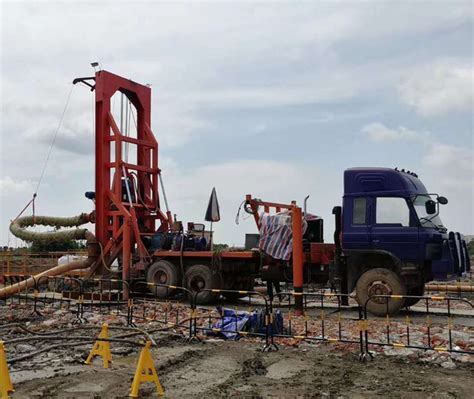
x: 55, y: 246
x: 219, y: 247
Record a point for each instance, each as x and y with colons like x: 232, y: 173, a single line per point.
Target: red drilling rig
x: 127, y: 207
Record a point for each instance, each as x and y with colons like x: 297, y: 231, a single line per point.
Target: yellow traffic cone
x: 5, y: 381
x: 101, y: 348
x: 145, y: 372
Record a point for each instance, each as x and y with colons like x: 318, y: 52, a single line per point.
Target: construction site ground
x: 46, y: 353
x: 222, y: 369
x: 218, y: 368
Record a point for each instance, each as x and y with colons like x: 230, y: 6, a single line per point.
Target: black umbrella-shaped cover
x: 212, y: 212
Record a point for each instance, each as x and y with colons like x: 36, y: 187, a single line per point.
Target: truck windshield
x: 426, y: 219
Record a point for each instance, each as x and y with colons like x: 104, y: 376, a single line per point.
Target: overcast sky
x: 272, y: 99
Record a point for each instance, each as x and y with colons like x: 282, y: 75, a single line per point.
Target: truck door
x: 356, y: 230
x: 394, y: 229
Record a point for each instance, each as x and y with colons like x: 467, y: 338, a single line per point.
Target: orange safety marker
x: 5, y: 381
x: 101, y: 348
x: 145, y: 372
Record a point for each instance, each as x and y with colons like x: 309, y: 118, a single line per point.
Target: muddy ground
x: 54, y: 367
x: 239, y: 369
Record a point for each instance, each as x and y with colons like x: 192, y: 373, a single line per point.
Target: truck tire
x: 165, y: 273
x: 380, y: 282
x: 200, y: 277
x: 415, y: 291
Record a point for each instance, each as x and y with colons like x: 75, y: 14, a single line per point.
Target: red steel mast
x: 126, y: 194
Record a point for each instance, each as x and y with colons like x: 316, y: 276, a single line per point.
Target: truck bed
x: 238, y: 255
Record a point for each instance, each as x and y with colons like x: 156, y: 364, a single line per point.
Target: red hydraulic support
x: 298, y: 260
x: 126, y: 193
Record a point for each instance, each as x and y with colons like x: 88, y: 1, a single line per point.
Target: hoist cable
x: 127, y: 128
x: 32, y: 201
x: 160, y: 180
x: 54, y: 140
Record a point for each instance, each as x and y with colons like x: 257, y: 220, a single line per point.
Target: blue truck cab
x: 390, y: 235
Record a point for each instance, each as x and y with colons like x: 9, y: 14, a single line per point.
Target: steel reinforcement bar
x: 323, y: 318
x: 400, y: 335
x: 324, y: 321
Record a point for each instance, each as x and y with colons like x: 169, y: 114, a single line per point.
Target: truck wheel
x: 200, y: 277
x: 415, y: 291
x: 380, y: 282
x: 165, y: 273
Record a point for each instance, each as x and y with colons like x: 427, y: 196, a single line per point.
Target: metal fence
x: 14, y: 263
x: 272, y: 320
x: 322, y: 318
x: 253, y: 319
x: 174, y: 310
x: 400, y: 334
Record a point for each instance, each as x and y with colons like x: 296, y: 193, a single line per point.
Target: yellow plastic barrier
x: 363, y: 325
x: 101, y: 348
x: 6, y: 385
x: 145, y: 372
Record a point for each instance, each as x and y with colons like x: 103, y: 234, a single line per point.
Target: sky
x: 273, y: 99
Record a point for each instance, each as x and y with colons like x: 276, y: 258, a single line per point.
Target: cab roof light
x: 407, y: 172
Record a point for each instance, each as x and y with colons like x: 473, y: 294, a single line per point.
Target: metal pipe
x: 297, y: 258
x: 160, y: 179
x: 127, y: 247
x: 30, y: 282
x: 450, y: 287
x: 127, y: 187
x: 18, y: 228
x: 305, y: 210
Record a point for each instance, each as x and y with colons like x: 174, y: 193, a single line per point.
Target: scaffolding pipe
x: 298, y: 260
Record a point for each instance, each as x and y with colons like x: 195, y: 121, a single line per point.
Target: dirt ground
x: 54, y: 367
x: 236, y: 369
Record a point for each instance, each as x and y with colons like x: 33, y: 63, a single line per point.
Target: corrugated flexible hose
x: 18, y: 229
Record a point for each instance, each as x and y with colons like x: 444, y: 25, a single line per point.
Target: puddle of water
x: 28, y: 375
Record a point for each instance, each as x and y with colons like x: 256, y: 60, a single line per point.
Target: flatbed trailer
x: 227, y: 255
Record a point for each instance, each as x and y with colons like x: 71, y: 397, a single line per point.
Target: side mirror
x: 430, y: 207
x: 442, y: 200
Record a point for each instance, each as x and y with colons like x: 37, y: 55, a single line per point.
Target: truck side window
x: 391, y: 210
x: 359, y: 211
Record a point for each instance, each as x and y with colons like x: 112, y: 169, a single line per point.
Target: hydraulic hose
x: 18, y: 228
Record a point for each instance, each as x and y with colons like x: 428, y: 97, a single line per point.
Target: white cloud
x: 176, y: 125
x: 440, y: 89
x: 450, y: 170
x: 275, y: 96
x: 10, y: 187
x: 380, y: 133
x: 275, y: 68
x: 453, y: 165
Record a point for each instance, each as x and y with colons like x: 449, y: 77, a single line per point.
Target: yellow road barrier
x: 145, y: 372
x: 6, y: 385
x: 101, y: 348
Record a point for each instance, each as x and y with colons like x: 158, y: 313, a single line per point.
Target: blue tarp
x: 232, y: 321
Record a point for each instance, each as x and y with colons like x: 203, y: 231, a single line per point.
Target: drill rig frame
x: 127, y: 203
